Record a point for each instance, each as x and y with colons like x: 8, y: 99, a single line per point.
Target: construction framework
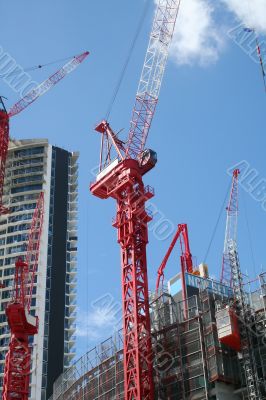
x: 189, y: 361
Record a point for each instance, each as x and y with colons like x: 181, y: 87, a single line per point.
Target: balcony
x: 71, y: 339
x: 72, y: 282
x: 71, y: 269
x: 70, y: 314
x: 70, y: 329
x: 70, y: 319
x: 72, y: 306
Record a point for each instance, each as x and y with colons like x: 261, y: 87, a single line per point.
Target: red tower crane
x: 21, y: 323
x: 23, y: 103
x: 122, y: 180
x: 185, y: 258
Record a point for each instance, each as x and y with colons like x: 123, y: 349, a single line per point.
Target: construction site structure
x: 122, y: 179
x: 21, y: 322
x: 189, y: 361
x: 23, y: 103
x: 235, y: 318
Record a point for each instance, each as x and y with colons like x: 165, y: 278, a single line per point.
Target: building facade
x: 34, y: 166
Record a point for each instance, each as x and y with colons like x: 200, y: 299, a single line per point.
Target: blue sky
x: 210, y: 116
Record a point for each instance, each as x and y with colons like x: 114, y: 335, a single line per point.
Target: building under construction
x: 197, y: 339
x: 189, y: 359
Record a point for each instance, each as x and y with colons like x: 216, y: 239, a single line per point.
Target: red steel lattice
x: 126, y: 186
x: 21, y: 323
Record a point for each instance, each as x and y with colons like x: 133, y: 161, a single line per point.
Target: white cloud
x: 201, y: 27
x: 101, y: 321
x: 197, y: 38
x: 250, y: 12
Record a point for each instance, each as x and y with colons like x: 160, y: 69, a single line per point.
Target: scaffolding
x: 190, y: 363
x: 221, y: 361
x: 97, y: 375
x: 178, y: 347
x: 252, y: 325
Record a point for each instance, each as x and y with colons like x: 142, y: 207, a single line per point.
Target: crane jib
x: 152, y: 75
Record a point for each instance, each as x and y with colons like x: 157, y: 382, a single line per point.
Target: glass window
x: 20, y: 227
x: 23, y: 207
x: 26, y: 188
x: 9, y: 261
x: 25, y: 197
x: 35, y: 160
x: 29, y: 170
x: 29, y: 152
x: 16, y: 249
x: 2, y: 318
x: 5, y: 294
x: 20, y: 217
x: 23, y: 179
x: 23, y: 237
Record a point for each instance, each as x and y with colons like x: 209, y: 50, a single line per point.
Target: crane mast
x: 122, y: 180
x: 232, y: 275
x: 21, y: 323
x: 23, y: 103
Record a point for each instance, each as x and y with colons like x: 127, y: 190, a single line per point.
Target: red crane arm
x: 186, y: 258
x: 47, y: 84
x: 152, y: 75
x: 20, y: 106
x: 26, y: 269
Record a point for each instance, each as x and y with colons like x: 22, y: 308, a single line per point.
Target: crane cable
x: 258, y: 47
x: 47, y: 64
x: 128, y: 58
x: 217, y: 223
x: 249, y: 236
x: 259, y: 54
x: 261, y: 62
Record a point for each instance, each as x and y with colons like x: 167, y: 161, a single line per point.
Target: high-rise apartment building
x: 34, y: 166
